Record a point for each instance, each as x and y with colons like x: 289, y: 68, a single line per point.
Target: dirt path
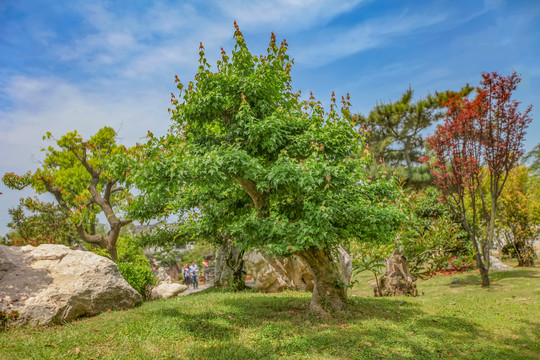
x: 191, y: 290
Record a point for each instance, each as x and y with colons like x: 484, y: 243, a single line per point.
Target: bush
x: 440, y: 245
x: 97, y: 250
x: 139, y: 277
x: 130, y: 251
x: 431, y: 239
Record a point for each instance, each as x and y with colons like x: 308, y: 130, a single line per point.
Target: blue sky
x: 68, y: 65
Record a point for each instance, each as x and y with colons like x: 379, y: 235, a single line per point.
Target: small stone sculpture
x: 397, y: 281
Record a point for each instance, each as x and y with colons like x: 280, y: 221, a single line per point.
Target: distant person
x: 205, y: 264
x: 194, y: 273
x: 186, y: 275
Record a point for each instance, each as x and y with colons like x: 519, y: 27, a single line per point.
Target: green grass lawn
x: 462, y: 321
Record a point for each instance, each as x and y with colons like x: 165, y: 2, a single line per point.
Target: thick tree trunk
x: 230, y: 270
x: 114, y: 254
x: 329, y: 290
x: 107, y: 242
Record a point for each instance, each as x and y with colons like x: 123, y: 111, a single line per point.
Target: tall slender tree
x: 480, y: 142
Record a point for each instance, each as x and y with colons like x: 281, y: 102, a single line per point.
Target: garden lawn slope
x: 461, y: 321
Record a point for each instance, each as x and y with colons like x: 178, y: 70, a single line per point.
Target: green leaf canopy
x: 248, y: 159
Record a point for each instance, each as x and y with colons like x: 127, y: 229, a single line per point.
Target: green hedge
x: 139, y: 277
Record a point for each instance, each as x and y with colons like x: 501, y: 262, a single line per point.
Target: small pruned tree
x: 480, y: 142
x: 75, y: 174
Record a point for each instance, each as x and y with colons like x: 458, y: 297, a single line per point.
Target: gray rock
x: 273, y: 273
x: 165, y: 291
x: 269, y: 272
x: 52, y: 283
x: 163, y: 276
x: 345, y: 260
x: 454, y: 281
x: 498, y: 265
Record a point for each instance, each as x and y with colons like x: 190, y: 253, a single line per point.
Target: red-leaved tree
x: 473, y: 152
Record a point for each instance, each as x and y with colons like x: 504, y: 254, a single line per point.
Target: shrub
x: 97, y: 250
x: 431, y: 239
x: 139, y: 277
x: 130, y: 251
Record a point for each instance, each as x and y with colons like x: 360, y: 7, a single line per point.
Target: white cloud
x: 53, y: 104
x: 287, y: 15
x: 330, y: 45
x: 142, y: 44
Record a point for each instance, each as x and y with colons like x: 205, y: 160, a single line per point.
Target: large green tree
x: 74, y: 173
x: 248, y: 159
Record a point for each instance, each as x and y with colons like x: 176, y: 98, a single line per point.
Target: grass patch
x: 461, y: 321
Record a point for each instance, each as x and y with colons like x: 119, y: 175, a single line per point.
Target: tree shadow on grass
x: 495, y: 276
x: 203, y: 326
x: 277, y: 326
x: 284, y: 326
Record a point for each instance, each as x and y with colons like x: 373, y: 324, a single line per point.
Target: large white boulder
x: 52, y: 283
x: 165, y: 291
